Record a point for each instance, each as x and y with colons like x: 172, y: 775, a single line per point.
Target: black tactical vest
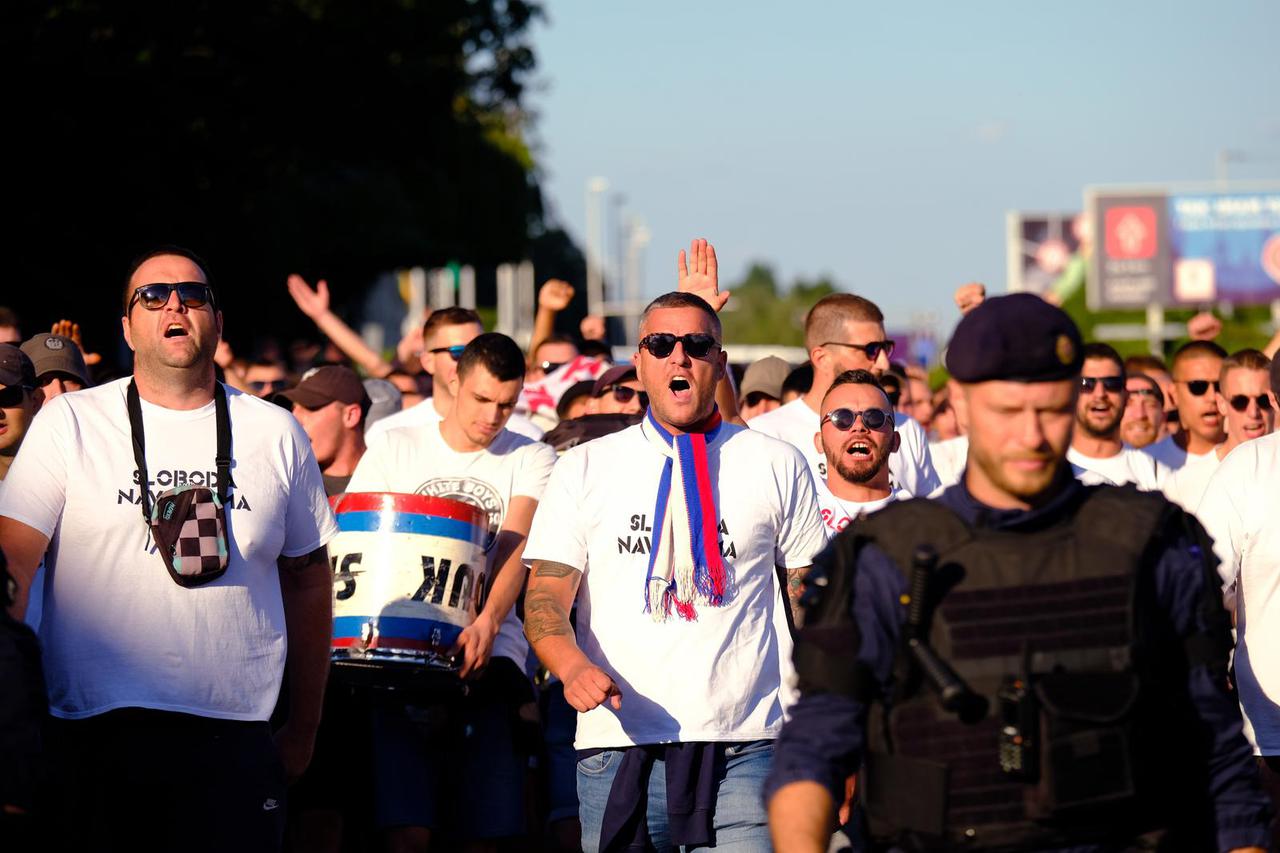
x: 1064, y: 609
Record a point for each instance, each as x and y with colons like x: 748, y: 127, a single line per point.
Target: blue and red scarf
x: 684, y: 561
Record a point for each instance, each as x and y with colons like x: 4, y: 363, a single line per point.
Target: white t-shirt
x: 417, y: 460
x: 1167, y: 452
x: 425, y: 413
x: 1185, y: 486
x: 1130, y: 465
x: 713, y: 679
x: 949, y: 458
x: 838, y: 512
x: 117, y: 631
x: 910, y: 469
x: 1239, y: 510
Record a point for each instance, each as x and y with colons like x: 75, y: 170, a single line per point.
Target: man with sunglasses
x: 1238, y: 509
x: 1195, y: 367
x: 161, y: 684
x: 1245, y: 404
x: 846, y: 332
x: 857, y: 437
x: 618, y: 392
x: 59, y: 363
x: 1096, y: 444
x: 20, y: 399
x: 445, y: 336
x: 1060, y: 612
x: 668, y: 535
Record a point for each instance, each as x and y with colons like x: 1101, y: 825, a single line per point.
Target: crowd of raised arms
x: 479, y: 597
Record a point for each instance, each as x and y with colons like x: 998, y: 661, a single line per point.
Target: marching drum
x: 408, y: 576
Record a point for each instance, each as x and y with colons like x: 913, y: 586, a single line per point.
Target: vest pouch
x: 189, y: 525
x: 1086, y: 747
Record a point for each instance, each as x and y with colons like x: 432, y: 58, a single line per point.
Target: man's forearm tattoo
x: 544, y: 616
x: 795, y: 588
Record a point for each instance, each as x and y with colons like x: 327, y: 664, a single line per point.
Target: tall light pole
x: 638, y: 237
x: 596, y: 188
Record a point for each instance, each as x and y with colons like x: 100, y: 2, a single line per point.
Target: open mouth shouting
x: 175, y: 330
x: 680, y: 389
x: 859, y: 449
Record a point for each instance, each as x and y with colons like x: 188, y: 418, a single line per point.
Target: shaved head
x: 828, y: 318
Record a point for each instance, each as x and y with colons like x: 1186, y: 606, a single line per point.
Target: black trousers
x: 137, y: 780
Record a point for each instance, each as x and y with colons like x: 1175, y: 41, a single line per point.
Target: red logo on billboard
x: 1131, y: 233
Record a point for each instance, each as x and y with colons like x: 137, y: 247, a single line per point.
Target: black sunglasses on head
x: 192, y: 294
x: 455, y: 351
x: 843, y: 419
x: 1240, y: 402
x: 1110, y: 384
x: 12, y: 396
x: 662, y: 344
x: 1197, y: 387
x: 872, y: 349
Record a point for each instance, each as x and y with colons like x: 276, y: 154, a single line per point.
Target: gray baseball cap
x: 56, y: 354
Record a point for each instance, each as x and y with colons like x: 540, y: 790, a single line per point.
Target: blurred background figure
x: 266, y: 378
x: 10, y: 332
x: 385, y: 400
x: 59, y: 364
x: 797, y: 383
x: 1144, y: 419
x: 761, y: 389
x: 20, y: 399
x: 331, y: 404
x: 618, y: 391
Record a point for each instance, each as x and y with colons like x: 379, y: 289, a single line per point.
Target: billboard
x: 1040, y: 249
x: 1184, y: 248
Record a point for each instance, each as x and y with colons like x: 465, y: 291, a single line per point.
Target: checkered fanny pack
x: 188, y: 523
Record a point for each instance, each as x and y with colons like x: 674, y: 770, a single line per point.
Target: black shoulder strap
x: 222, y: 456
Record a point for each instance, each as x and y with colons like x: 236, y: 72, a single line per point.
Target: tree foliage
x: 328, y: 136
x: 759, y: 313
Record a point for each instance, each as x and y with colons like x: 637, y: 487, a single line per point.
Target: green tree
x: 326, y: 136
x: 760, y: 314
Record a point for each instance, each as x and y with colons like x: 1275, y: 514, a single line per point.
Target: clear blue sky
x: 882, y: 144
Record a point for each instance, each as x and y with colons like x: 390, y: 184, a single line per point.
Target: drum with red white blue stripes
x: 408, y: 576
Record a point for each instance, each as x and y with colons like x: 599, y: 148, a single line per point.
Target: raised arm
x: 699, y: 273
x: 547, y: 601
x: 553, y: 298
x: 315, y: 304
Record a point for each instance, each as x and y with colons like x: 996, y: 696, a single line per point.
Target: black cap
x: 321, y: 386
x: 1015, y: 338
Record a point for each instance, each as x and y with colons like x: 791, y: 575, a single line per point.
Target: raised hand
x: 592, y: 328
x: 970, y: 296
x: 555, y: 295
x: 313, y: 303
x: 409, y: 350
x: 68, y: 329
x: 697, y: 273
x: 1203, y: 327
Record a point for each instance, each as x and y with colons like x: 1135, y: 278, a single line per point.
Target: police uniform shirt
x: 824, y: 739
x: 910, y: 468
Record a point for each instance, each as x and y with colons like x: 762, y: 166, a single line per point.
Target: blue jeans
x: 741, y: 824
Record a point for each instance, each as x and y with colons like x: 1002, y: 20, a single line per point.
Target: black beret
x: 1015, y: 338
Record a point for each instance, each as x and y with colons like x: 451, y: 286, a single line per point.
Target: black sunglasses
x: 192, y: 294
x: 1240, y: 402
x: 269, y: 384
x: 1197, y: 387
x: 455, y: 351
x: 843, y: 419
x: 12, y: 397
x: 872, y: 349
x: 623, y: 394
x: 550, y: 366
x: 1110, y: 384
x: 662, y: 344
x: 1146, y: 392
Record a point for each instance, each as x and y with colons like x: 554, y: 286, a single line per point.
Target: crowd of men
x: 748, y: 607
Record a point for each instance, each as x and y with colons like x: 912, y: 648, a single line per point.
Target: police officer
x: 1025, y: 662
